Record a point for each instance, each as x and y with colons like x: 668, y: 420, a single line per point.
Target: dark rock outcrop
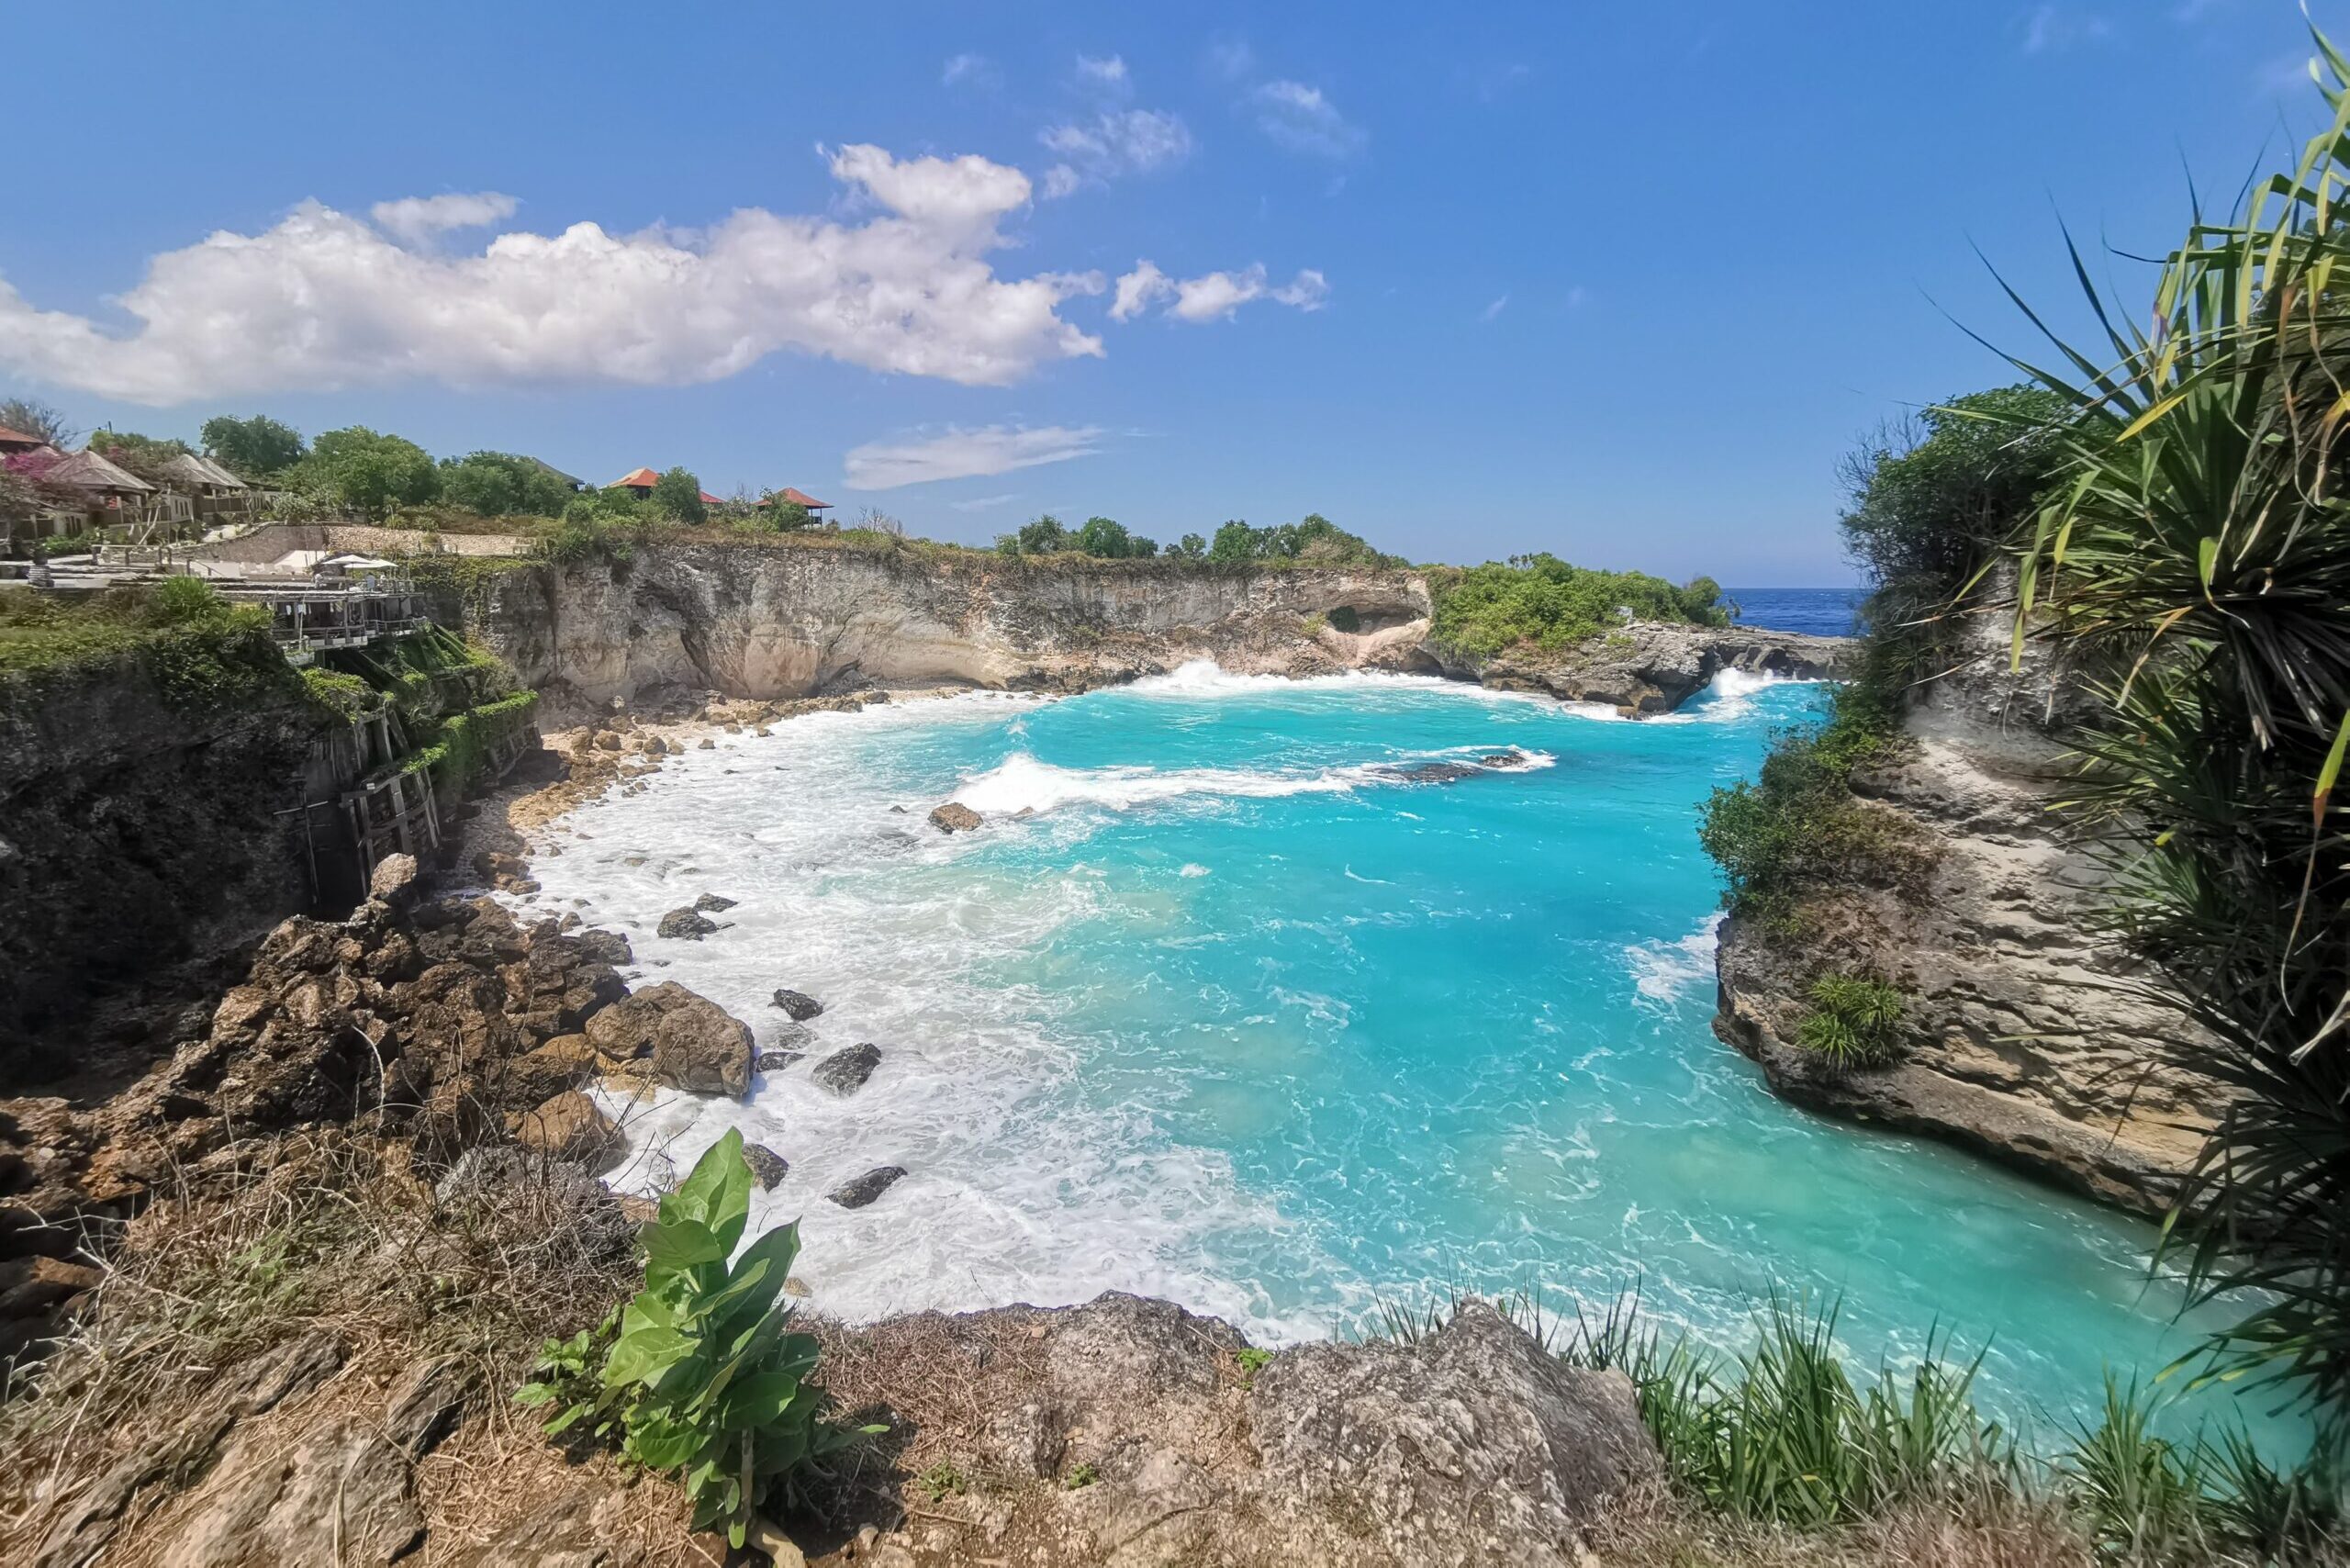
x: 954, y: 817
x: 798, y: 1006
x: 685, y: 925
x: 766, y: 1166
x: 845, y: 1072
x: 859, y: 1191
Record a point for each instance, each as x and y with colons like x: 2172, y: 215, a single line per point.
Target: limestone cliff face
x: 803, y: 620
x: 2033, y: 1039
x: 1645, y: 667
x: 806, y: 620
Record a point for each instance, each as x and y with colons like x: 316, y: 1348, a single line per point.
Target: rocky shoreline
x: 433, y: 1055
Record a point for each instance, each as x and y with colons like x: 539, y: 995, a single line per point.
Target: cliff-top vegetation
x: 1543, y: 602
x: 202, y: 651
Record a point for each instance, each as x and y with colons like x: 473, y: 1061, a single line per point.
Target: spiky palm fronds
x: 2193, y: 567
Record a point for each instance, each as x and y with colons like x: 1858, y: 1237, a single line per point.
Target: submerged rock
x: 776, y: 1061
x: 845, y: 1073
x: 799, y: 1005
x: 1430, y: 772
x: 685, y: 925
x: 859, y: 1190
x: 767, y: 1165
x: 954, y: 817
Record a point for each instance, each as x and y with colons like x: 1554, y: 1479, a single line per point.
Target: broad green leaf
x: 642, y: 1357
x: 700, y: 1197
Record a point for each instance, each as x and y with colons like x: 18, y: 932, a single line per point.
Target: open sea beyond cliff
x: 1243, y: 1015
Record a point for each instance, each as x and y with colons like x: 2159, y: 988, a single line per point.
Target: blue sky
x: 1619, y: 282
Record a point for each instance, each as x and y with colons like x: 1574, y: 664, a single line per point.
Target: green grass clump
x: 1853, y: 1023
x: 1542, y: 601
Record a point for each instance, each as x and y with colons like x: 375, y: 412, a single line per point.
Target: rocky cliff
x: 138, y: 827
x: 799, y: 619
x: 2030, y: 1036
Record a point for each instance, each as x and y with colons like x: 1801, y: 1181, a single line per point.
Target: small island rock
x: 713, y: 904
x: 954, y: 817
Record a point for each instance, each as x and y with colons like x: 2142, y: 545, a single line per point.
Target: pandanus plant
x: 2191, y: 568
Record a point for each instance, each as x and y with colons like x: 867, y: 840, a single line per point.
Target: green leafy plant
x: 1854, y: 1023
x: 942, y: 1480
x: 1081, y: 1477
x: 703, y: 1378
x: 1252, y: 1361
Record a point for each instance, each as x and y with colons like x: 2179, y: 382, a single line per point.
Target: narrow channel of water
x: 1232, y: 1001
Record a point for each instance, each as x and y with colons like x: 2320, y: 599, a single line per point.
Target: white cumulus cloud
x: 325, y: 300
x: 964, y: 453
x: 418, y: 218
x: 976, y: 68
x: 1116, y: 142
x: 1303, y: 120
x: 1138, y: 290
x: 1212, y: 296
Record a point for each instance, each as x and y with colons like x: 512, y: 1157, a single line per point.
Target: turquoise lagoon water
x: 1239, y: 1015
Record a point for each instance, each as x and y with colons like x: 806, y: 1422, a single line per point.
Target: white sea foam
x: 1667, y: 974
x: 1205, y: 680
x: 1021, y: 783
x: 907, y: 940
x: 1728, y: 698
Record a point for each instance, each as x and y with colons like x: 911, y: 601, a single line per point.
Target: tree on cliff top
x: 370, y: 472
x: 676, y: 495
x: 254, y: 448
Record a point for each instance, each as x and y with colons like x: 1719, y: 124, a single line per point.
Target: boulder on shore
x: 799, y: 1005
x: 954, y: 817
x: 694, y: 1044
x: 685, y: 925
x: 845, y: 1073
x: 859, y: 1190
x: 571, y: 1126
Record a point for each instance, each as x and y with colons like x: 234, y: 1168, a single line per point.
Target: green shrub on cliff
x: 1547, y: 603
x: 704, y: 1378
x: 1797, y: 829
x: 1853, y: 1023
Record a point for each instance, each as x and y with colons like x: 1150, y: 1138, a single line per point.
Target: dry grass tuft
x: 1653, y: 1530
x: 337, y: 1233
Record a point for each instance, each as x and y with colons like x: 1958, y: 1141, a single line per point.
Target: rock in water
x: 713, y: 904
x: 798, y: 1004
x: 1431, y: 772
x: 686, y: 925
x: 954, y: 817
x: 767, y: 1165
x: 860, y: 1190
x: 845, y: 1073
